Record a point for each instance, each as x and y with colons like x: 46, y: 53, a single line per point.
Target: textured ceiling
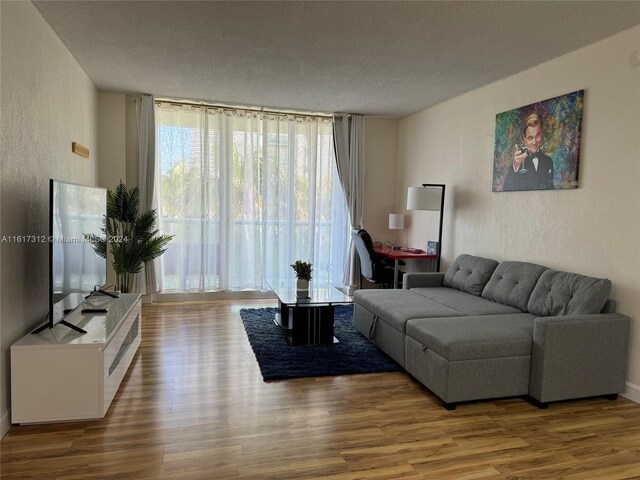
x: 383, y: 58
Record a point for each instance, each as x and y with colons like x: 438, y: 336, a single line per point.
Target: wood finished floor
x: 193, y: 406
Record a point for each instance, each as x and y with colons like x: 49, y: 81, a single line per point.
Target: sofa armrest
x: 576, y: 356
x: 422, y: 279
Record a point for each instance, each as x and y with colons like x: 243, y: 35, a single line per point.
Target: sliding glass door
x: 246, y: 194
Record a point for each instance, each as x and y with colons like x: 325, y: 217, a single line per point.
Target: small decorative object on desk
x: 432, y: 248
x: 303, y: 274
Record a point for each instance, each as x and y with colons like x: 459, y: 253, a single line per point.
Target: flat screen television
x: 75, y: 269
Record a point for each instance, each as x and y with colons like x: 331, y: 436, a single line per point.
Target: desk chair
x: 373, y: 267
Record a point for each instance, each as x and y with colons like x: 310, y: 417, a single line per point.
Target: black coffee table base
x: 308, y: 325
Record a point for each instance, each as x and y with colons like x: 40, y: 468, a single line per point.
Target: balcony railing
x: 252, y: 252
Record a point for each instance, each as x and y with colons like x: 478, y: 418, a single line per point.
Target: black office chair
x: 373, y: 267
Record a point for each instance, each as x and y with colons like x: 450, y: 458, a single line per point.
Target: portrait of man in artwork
x: 531, y: 168
x: 537, y: 146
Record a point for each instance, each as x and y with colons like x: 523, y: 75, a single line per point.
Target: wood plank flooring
x: 193, y: 406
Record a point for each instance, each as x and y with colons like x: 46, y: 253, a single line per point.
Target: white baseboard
x: 632, y: 392
x: 4, y: 424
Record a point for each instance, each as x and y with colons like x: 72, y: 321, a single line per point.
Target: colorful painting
x: 538, y: 146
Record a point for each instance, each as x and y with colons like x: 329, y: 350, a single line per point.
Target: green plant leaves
x: 302, y: 269
x: 132, y: 236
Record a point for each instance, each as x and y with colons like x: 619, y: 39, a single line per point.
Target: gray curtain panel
x: 349, y: 137
x: 148, y: 279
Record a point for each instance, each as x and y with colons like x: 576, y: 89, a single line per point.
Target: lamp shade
x: 424, y: 198
x: 396, y: 221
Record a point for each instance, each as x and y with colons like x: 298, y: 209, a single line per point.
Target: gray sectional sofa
x: 486, y: 330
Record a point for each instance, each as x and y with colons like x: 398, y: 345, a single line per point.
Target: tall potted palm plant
x: 132, y: 235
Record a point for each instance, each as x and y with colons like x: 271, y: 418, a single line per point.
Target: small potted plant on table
x: 303, y: 275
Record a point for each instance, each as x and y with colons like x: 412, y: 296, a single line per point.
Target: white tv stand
x: 60, y: 375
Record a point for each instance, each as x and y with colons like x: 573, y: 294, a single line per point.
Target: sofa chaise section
x: 471, y: 358
x: 487, y: 352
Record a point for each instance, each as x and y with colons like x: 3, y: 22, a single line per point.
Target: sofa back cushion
x: 512, y: 283
x: 469, y: 274
x: 564, y: 293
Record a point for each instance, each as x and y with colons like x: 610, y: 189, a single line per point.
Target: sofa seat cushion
x: 564, y: 293
x: 512, y: 283
x: 396, y: 307
x: 469, y: 274
x: 463, y: 302
x: 475, y: 337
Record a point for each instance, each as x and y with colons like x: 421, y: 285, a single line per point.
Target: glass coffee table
x: 309, y: 321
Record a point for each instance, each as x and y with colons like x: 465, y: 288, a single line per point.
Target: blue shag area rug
x: 279, y: 360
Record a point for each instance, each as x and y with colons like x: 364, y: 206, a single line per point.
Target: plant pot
x: 302, y: 288
x: 125, y: 282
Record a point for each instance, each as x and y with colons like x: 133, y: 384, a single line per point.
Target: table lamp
x: 396, y: 222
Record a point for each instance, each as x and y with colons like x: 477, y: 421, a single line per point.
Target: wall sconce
x: 430, y: 196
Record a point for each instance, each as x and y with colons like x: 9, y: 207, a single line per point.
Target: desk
x: 397, y: 255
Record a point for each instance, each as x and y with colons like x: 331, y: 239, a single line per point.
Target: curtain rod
x: 159, y: 101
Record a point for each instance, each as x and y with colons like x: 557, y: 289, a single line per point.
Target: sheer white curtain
x: 246, y: 194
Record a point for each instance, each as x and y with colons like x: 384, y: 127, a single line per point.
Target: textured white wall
x: 131, y: 132
x: 380, y: 176
x: 117, y: 139
x: 111, y: 150
x: 593, y: 230
x: 47, y: 103
x: 111, y: 139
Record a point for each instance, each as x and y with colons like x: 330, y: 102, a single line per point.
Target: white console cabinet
x: 61, y: 375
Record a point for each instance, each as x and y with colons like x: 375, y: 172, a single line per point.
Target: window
x: 246, y: 194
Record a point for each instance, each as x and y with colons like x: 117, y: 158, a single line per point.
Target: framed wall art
x: 537, y: 147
